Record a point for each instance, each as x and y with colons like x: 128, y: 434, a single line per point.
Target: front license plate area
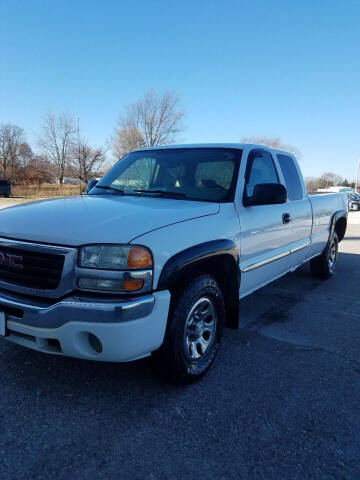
x: 2, y: 324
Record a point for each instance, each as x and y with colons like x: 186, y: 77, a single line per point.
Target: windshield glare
x: 204, y: 174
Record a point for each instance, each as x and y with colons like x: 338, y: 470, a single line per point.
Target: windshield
x: 204, y: 174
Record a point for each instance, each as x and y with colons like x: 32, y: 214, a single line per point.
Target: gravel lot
x: 281, y: 402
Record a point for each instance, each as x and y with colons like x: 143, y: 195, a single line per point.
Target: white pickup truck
x: 154, y: 259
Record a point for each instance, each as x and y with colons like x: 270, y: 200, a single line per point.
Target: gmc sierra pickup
x: 155, y: 258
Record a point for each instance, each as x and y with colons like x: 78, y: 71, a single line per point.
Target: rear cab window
x: 291, y: 176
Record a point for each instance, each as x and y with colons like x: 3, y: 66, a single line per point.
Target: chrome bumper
x: 125, y: 330
x: 41, y: 313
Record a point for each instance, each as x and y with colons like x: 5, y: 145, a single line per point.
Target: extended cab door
x: 266, y: 233
x: 298, y: 208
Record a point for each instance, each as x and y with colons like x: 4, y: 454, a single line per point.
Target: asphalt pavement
x: 282, y: 400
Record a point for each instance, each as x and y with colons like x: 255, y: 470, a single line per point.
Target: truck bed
x: 323, y: 208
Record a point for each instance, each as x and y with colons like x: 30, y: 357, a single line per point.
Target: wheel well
x: 225, y: 271
x: 340, y: 228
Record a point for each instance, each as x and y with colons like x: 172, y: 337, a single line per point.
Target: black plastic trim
x: 184, y: 263
x: 336, y: 216
x: 176, y: 264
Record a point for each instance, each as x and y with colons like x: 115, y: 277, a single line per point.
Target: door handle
x: 286, y: 218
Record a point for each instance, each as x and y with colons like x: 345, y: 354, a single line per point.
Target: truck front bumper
x: 95, y: 330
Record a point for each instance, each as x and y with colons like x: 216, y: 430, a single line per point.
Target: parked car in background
x: 5, y: 188
x: 354, y: 201
x: 155, y: 259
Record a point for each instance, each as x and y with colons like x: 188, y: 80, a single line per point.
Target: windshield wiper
x: 163, y: 193
x: 107, y: 187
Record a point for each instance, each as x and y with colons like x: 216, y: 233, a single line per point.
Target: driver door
x: 265, y: 232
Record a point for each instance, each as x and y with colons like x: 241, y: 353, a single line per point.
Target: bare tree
x: 127, y: 140
x: 86, y: 160
x: 25, y: 154
x: 11, y: 138
x: 312, y: 184
x: 328, y: 179
x: 57, y: 139
x: 153, y: 120
x: 36, y: 171
x: 274, y: 142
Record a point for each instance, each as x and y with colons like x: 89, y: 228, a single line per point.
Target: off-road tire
x: 171, y: 359
x: 324, y: 266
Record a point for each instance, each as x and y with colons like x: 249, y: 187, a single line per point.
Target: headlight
x: 115, y: 257
x: 115, y: 268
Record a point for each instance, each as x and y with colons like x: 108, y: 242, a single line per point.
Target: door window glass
x: 262, y: 170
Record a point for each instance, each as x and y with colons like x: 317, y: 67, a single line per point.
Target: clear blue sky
x: 274, y: 68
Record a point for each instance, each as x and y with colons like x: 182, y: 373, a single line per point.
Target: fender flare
x: 336, y: 216
x: 200, y: 255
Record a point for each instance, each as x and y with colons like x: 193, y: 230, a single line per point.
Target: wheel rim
x: 200, y: 328
x: 332, y: 256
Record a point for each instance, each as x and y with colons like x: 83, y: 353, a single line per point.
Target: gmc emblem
x: 12, y: 261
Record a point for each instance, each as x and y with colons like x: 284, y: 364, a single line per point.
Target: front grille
x: 37, y: 269
x: 13, y: 312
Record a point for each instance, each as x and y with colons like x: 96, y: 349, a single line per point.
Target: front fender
x: 181, y: 261
x: 219, y: 258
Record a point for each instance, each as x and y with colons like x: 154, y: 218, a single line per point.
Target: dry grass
x: 9, y: 202
x: 45, y: 191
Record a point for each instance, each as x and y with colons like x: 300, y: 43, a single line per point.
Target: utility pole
x: 357, y: 177
x: 78, y: 139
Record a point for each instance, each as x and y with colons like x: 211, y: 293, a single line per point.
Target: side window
x: 260, y: 169
x: 291, y: 177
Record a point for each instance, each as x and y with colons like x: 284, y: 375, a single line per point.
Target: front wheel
x: 193, y: 333
x: 324, y: 266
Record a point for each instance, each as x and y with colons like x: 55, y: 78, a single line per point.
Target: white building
x: 338, y: 189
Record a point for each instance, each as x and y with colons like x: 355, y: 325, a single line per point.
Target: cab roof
x: 240, y: 146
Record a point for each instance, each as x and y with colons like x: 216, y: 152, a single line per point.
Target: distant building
x: 338, y: 189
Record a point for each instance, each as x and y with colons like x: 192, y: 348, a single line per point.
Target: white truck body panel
x: 178, y: 237
x: 257, y: 231
x: 81, y: 220
x: 267, y: 248
x: 323, y: 207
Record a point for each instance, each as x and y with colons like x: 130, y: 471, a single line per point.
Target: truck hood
x: 75, y: 221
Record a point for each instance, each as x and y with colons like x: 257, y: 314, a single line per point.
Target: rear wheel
x: 324, y: 266
x: 193, y: 333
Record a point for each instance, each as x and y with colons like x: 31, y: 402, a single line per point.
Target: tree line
x: 62, y: 151
x: 325, y: 181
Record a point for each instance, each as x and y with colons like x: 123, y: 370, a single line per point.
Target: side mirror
x: 266, y: 194
x: 90, y: 185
